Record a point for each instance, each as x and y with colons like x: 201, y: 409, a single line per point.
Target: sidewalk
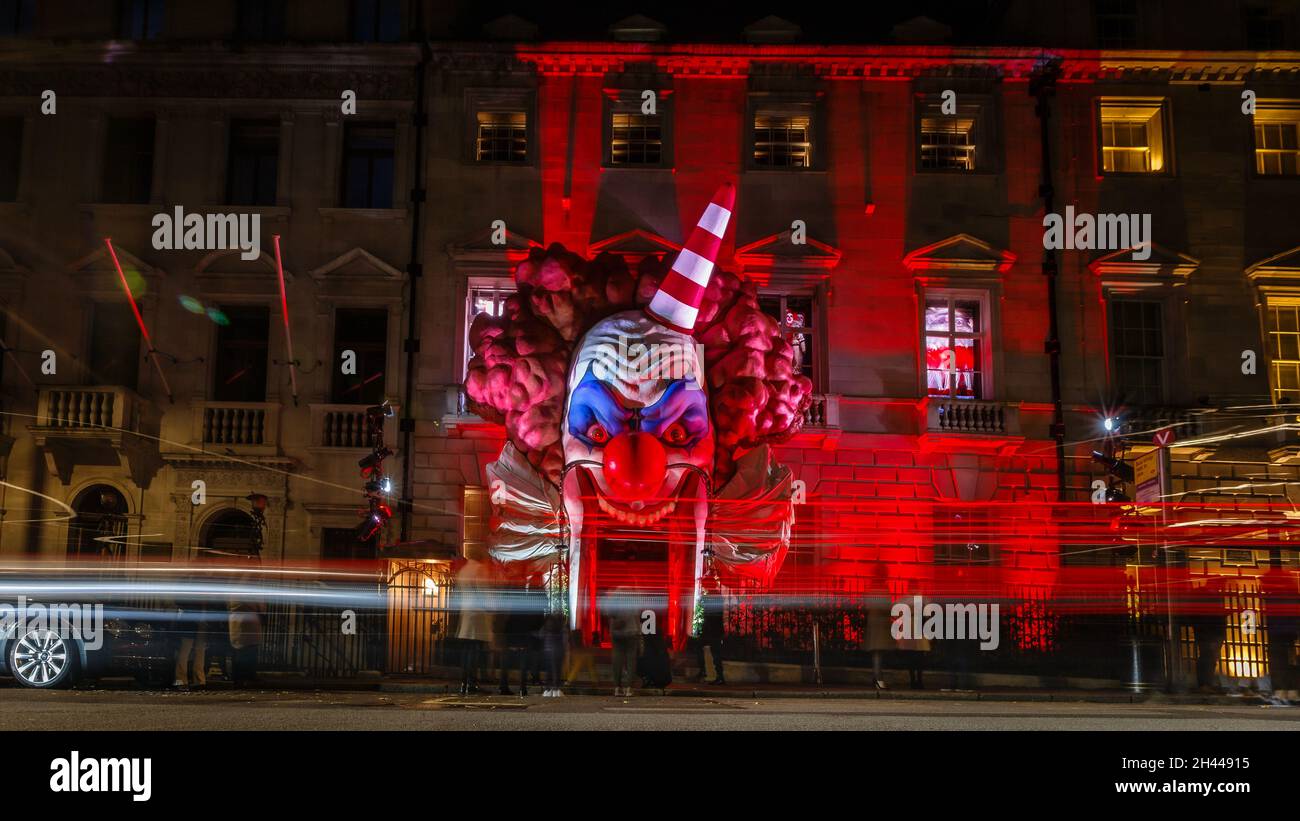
x: 411, y: 684
x: 446, y: 684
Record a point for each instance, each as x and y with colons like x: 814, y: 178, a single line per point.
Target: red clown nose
x: 635, y: 466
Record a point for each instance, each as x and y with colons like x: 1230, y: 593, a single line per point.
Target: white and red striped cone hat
x: 677, y: 302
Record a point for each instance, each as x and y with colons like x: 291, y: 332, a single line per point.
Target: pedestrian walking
x: 625, y: 633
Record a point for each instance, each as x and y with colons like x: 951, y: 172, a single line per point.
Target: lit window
x: 635, y: 139
x: 1137, y: 342
x: 948, y: 143
x: 782, y: 141
x: 1277, y: 147
x: 1284, y: 351
x: 1132, y: 136
x: 954, y: 346
x: 489, y: 298
x: 794, y: 315
x: 502, y: 137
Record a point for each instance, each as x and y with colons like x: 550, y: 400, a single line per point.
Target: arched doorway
x: 232, y: 532
x: 98, y: 530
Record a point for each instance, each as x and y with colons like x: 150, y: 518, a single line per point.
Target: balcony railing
x: 339, y: 426
x: 972, y: 416
x: 239, y: 424
x: 87, y: 425
x: 824, y: 412
x: 87, y: 408
x: 1142, y: 422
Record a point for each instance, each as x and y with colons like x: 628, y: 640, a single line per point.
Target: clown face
x: 638, y: 444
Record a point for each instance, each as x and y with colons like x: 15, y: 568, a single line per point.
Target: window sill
x: 270, y: 211
x: 378, y: 214
x: 631, y: 167
x: 947, y: 172
x: 525, y: 165
x: 1136, y: 175
x: 122, y: 208
x: 766, y: 170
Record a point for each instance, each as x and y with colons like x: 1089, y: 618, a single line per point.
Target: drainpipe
x: 1042, y: 85
x: 414, y: 271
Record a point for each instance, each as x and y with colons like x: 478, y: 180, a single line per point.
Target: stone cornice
x: 386, y: 72
x: 297, y: 73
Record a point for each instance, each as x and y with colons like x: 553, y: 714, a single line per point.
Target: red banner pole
x: 284, y: 312
x: 139, y: 320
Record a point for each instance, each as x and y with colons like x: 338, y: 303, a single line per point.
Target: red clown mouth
x: 643, y: 517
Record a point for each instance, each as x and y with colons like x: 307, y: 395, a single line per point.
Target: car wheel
x: 42, y: 659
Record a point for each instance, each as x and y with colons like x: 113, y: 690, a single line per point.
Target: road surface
x: 319, y: 710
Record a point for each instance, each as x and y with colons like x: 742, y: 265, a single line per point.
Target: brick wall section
x: 876, y: 507
x: 446, y: 461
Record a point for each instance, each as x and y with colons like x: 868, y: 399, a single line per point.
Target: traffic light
x: 1118, y: 472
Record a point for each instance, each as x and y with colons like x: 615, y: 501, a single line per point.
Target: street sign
x: 1163, y: 438
x: 1146, y: 477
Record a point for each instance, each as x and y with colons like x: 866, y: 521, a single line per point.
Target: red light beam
x: 139, y: 320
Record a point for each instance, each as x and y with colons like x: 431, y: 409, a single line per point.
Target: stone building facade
x: 890, y: 205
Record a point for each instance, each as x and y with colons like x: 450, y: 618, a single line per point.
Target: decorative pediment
x: 232, y: 262
x: 226, y: 272
x: 635, y: 245
x: 1126, y: 270
x: 772, y: 29
x: 961, y: 252
x: 12, y: 277
x: 777, y: 257
x: 510, y: 27
x: 479, y: 253
x: 1280, y: 272
x: 921, y: 30
x: 357, y: 264
x: 96, y: 275
x: 638, y: 28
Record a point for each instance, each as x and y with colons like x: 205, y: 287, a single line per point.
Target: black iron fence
x: 325, y: 641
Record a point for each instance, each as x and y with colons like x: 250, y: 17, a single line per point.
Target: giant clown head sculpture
x: 649, y: 424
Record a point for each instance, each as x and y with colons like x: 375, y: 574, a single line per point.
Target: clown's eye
x: 597, y: 434
x: 676, y: 435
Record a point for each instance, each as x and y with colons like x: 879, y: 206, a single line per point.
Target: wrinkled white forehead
x: 637, y: 356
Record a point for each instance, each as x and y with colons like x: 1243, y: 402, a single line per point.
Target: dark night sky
x: 828, y: 21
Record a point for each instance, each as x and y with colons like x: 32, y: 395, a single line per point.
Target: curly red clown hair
x: 520, y: 359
